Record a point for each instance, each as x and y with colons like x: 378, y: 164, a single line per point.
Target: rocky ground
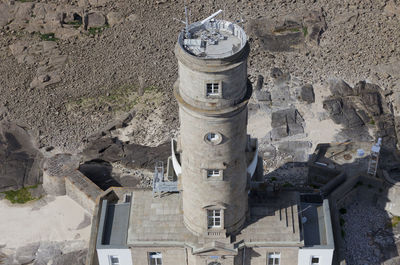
x: 369, y: 235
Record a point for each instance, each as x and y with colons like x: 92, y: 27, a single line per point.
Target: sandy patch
x: 58, y: 220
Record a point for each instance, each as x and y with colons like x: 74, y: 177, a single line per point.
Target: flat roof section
x: 157, y: 220
x: 113, y: 225
x: 317, y: 228
x: 273, y: 220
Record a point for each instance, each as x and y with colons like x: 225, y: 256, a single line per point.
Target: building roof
x: 157, y: 220
x: 273, y: 220
x: 113, y: 225
x: 316, y: 222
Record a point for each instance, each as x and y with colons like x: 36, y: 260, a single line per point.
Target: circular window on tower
x: 213, y: 138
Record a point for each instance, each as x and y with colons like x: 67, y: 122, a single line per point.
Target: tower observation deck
x: 213, y: 39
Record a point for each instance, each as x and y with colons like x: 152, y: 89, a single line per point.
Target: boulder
x: 5, y: 14
x: 260, y: 82
x: 392, y: 8
x: 340, y: 88
x: 313, y: 26
x: 114, y: 18
x: 343, y: 113
x: 285, y: 123
x: 27, y: 254
x: 95, y: 20
x: 307, y: 94
x: 262, y: 95
x: 20, y: 161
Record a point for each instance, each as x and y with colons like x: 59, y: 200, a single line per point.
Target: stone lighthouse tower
x: 212, y: 92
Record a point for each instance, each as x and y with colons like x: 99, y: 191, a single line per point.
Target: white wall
x: 325, y: 256
x: 124, y: 255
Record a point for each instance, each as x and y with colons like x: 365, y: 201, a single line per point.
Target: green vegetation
x: 273, y: 179
x: 395, y: 221
x: 294, y: 30
x: 343, y: 233
x: 359, y: 183
x: 305, y: 31
x: 75, y: 23
x: 341, y: 221
x: 287, y: 184
x: 20, y: 196
x: 342, y: 211
x: 372, y: 122
x: 119, y: 99
x: 97, y: 30
x: 48, y: 37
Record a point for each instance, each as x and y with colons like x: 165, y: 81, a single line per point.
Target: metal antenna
x: 187, y: 34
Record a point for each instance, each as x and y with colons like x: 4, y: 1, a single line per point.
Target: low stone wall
x: 61, y: 177
x: 82, y: 190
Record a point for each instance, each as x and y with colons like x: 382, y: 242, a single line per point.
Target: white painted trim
x: 253, y: 165
x: 177, y: 167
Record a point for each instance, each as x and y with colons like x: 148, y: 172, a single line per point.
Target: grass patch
x: 273, y: 179
x: 287, y: 184
x: 372, y: 122
x: 294, y: 30
x: 97, y: 30
x: 305, y: 31
x: 118, y: 99
x: 20, y: 196
x: 76, y: 23
x: 342, y: 233
x: 48, y: 37
x: 341, y: 221
x: 342, y: 211
x: 395, y: 221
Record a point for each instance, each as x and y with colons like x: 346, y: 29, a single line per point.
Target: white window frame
x: 214, y: 216
x: 213, y: 173
x: 213, y: 138
x: 274, y: 258
x: 156, y: 257
x: 315, y: 257
x: 111, y: 257
x: 213, y: 88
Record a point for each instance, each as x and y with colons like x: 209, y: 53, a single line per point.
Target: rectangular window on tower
x: 274, y: 258
x: 155, y: 258
x: 214, y: 218
x: 212, y: 89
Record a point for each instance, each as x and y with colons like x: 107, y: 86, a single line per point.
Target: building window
x: 214, y: 218
x: 213, y: 138
x: 314, y: 260
x: 114, y: 260
x: 213, y: 173
x: 155, y: 258
x: 212, y: 89
x: 274, y: 258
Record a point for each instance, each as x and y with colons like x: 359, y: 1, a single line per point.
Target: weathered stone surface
x: 261, y: 95
x: 339, y: 88
x: 5, y: 15
x: 114, y: 18
x: 307, y: 93
x: 392, y: 8
x: 285, y: 123
x: 27, y: 254
x: 130, y: 155
x: 95, y: 20
x: 342, y: 113
x: 20, y: 161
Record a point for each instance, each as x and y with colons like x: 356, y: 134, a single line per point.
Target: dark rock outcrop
x: 307, y: 94
x: 20, y: 161
x: 286, y: 123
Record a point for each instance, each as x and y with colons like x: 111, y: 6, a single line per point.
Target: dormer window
x: 213, y: 89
